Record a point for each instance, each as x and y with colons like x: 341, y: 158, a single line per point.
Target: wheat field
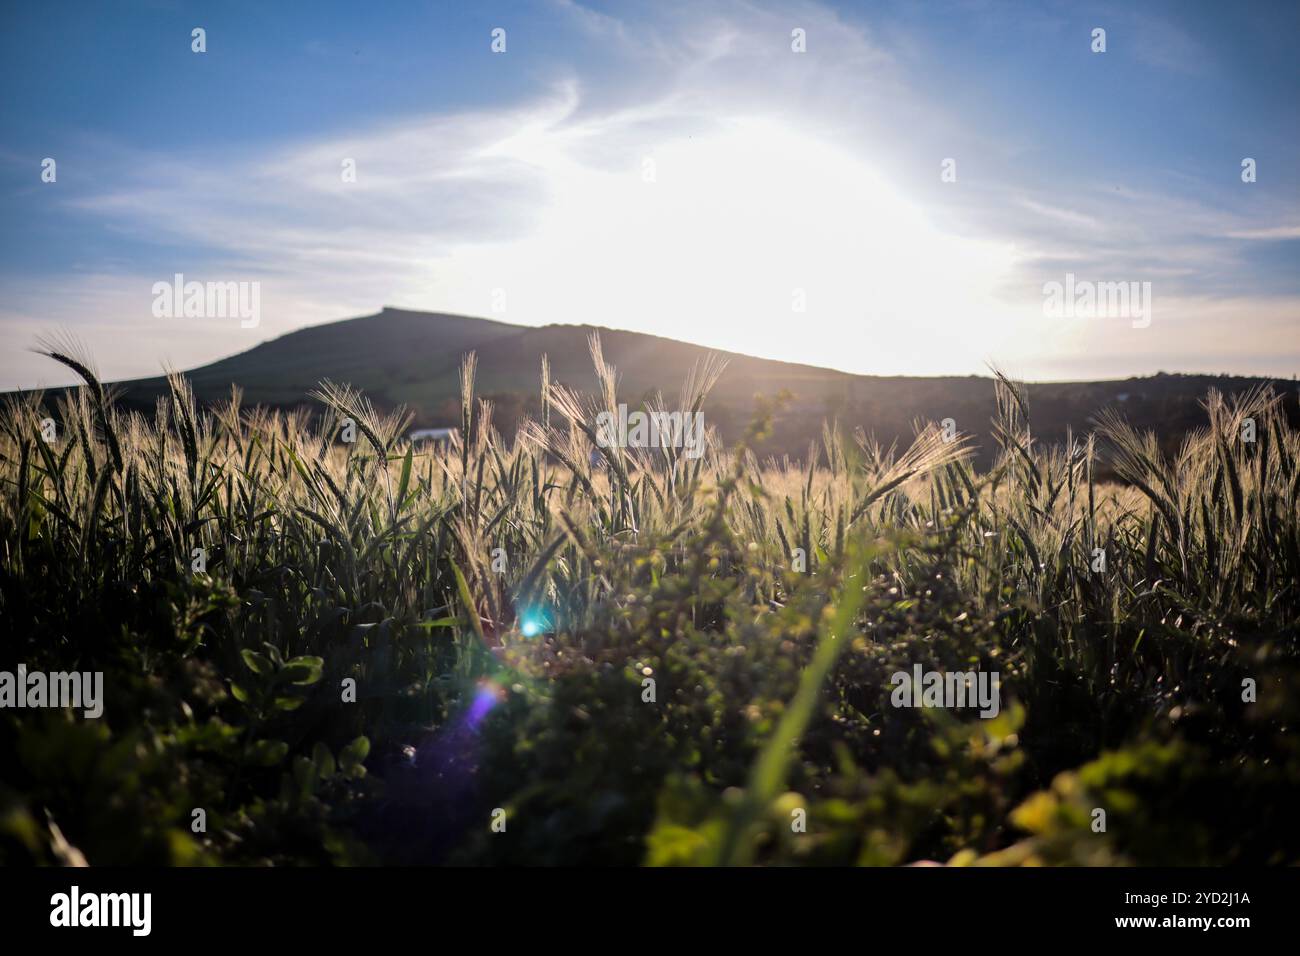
x: 508, y: 649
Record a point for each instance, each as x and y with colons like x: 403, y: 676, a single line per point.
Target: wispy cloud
x: 1269, y: 234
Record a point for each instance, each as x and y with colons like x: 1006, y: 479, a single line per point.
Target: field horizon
x: 409, y: 358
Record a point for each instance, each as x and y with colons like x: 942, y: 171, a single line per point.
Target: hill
x: 397, y: 356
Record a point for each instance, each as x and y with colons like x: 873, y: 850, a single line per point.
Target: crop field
x: 322, y: 644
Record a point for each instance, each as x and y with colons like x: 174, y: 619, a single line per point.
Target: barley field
x: 506, y: 649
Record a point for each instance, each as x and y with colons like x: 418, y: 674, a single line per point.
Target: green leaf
x: 466, y: 599
x: 257, y: 663
x: 353, y: 756
x: 303, y: 670
x: 769, y: 771
x: 405, y: 480
x: 268, y: 753
x: 323, y: 760
x: 238, y: 693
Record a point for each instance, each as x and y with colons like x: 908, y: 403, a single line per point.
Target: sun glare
x: 751, y: 237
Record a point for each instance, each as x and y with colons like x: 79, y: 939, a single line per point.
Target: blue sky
x: 671, y: 168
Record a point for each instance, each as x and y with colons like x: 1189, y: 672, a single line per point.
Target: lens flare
x: 488, y: 694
